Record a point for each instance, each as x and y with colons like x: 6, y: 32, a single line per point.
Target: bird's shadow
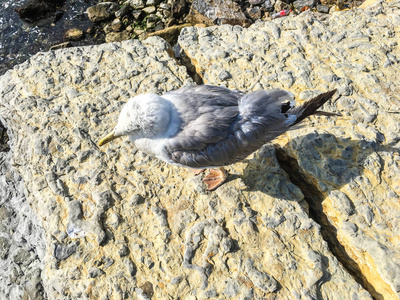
x: 320, y: 161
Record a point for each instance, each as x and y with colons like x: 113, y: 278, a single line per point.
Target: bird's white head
x: 143, y: 116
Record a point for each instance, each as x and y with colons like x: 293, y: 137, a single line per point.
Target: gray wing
x: 219, y: 131
x: 206, y: 113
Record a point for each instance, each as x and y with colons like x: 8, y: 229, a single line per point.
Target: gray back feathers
x: 220, y: 126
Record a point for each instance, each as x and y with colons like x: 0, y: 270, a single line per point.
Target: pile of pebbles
x: 123, y: 20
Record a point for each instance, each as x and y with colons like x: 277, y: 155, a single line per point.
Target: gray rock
x: 130, y: 267
x: 95, y: 272
x: 149, y: 9
x: 256, y: 2
x: 22, y: 244
x: 176, y: 280
x: 102, y: 11
x: 62, y: 252
x: 217, y: 12
x: 232, y: 288
x: 136, y: 4
x: 4, y: 247
x: 123, y: 11
x: 116, y: 25
x: 323, y: 8
x: 123, y: 251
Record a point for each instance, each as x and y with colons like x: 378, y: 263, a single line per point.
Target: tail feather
x: 327, y: 114
x: 310, y: 108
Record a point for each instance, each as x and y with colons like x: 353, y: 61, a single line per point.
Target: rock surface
x: 102, y: 11
x: 217, y: 12
x: 345, y: 167
x: 34, y: 10
x: 119, y: 224
x: 73, y: 34
x: 22, y: 243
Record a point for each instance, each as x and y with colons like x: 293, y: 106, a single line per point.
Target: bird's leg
x: 197, y: 171
x: 215, y: 178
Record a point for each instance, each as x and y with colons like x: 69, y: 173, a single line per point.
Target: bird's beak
x: 108, y: 138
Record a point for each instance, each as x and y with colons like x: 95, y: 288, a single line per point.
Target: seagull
x: 209, y: 127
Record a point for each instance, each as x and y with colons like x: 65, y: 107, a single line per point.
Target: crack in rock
x: 4, y: 146
x: 314, y: 199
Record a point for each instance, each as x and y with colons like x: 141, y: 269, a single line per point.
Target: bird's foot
x: 215, y: 178
x: 197, y: 171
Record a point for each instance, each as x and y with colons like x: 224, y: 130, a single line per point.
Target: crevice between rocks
x: 186, y: 61
x: 314, y: 199
x: 4, y: 144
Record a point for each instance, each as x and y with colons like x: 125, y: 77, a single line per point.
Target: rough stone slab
x: 120, y: 224
x: 22, y: 242
x: 348, y: 166
x: 50, y: 105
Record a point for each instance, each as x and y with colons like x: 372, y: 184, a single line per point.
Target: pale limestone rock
x: 70, y: 188
x: 22, y: 242
x: 347, y: 167
x: 119, y: 223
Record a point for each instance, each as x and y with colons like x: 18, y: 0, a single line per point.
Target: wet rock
x: 217, y: 12
x: 102, y: 11
x: 179, y: 8
x: 74, y: 34
x: 35, y: 10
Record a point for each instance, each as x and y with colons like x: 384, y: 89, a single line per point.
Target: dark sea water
x: 19, y: 39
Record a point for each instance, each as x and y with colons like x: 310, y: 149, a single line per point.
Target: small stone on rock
x: 136, y: 4
x: 95, y: 272
x: 254, y: 12
x: 256, y: 2
x: 102, y: 11
x: 123, y: 251
x: 73, y: 34
x: 116, y: 25
x: 323, y: 9
x: 149, y: 10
